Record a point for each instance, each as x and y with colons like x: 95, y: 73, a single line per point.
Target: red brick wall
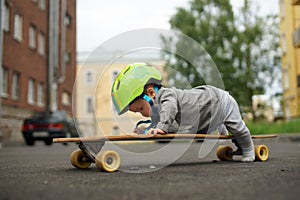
x: 19, y: 57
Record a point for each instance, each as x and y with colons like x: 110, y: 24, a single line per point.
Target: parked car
x: 48, y: 125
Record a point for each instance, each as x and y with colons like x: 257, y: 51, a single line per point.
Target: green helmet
x: 130, y: 84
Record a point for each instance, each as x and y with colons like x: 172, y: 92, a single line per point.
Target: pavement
x: 44, y: 172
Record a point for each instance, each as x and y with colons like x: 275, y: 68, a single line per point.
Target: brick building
x: 38, y: 59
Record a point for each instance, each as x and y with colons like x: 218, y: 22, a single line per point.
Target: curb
x: 289, y: 137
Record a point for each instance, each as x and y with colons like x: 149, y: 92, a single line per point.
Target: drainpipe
x: 63, y: 42
x: 53, y: 54
x: 1, y: 50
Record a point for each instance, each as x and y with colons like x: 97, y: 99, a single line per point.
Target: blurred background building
x: 38, y: 59
x: 290, y: 60
x: 95, y: 114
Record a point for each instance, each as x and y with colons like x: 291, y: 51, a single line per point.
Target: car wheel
x: 29, y: 141
x: 48, y: 142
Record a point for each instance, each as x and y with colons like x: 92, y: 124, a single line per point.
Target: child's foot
x: 248, y: 156
x: 248, y: 159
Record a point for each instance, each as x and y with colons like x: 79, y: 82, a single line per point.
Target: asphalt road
x: 42, y: 172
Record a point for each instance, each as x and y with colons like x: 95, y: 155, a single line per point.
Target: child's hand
x: 155, y: 131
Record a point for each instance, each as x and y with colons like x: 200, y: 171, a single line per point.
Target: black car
x: 48, y: 125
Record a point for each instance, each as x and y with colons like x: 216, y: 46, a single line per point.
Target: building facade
x: 38, y: 59
x: 95, y: 114
x: 290, y: 59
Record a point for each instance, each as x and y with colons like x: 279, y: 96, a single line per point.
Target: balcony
x: 295, y: 2
x: 296, y: 37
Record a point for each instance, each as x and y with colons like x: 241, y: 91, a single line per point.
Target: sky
x: 100, y: 20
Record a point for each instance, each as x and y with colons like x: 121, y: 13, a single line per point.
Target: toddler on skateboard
x: 203, y: 109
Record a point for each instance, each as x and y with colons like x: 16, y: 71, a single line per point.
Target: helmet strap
x: 148, y: 99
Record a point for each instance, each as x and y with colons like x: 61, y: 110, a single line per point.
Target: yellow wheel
x: 79, y: 160
x: 261, y: 152
x: 108, y: 161
x: 225, y: 153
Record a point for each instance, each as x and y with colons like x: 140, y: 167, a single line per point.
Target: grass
x: 282, y: 127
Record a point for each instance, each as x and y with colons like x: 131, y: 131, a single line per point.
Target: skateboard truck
x: 91, y: 150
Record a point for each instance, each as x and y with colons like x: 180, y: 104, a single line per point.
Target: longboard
x: 152, y: 137
x: 90, y: 148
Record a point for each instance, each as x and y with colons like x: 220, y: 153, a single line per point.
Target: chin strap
x: 149, y: 100
x: 143, y: 131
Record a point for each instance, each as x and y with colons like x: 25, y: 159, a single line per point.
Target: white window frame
x: 4, y: 91
x: 18, y: 24
x: 40, y: 95
x: 32, y: 37
x: 41, y: 43
x: 16, y: 86
x: 31, y: 92
x: 6, y: 24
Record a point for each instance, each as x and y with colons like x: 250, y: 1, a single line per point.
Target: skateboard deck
x: 153, y: 137
x: 90, y: 148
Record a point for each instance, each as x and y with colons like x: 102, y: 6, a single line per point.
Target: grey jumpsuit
x: 204, y: 109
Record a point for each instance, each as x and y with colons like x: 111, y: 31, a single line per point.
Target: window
x: 31, y: 92
x: 89, y: 105
x: 18, y: 27
x: 41, y: 44
x: 6, y: 18
x: 285, y: 79
x: 4, y: 82
x: 114, y: 75
x: 32, y: 41
x: 42, y: 4
x: 40, y: 95
x: 67, y: 57
x: 67, y: 20
x: 281, y: 7
x: 16, y: 86
x: 66, y: 99
x: 89, y: 79
x: 283, y: 44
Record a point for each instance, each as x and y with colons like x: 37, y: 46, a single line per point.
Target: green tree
x: 244, y: 47
x: 257, y: 56
x: 211, y: 24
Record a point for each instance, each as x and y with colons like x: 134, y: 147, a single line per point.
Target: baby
x: 204, y: 109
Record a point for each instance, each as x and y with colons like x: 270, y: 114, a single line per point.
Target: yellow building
x: 290, y: 60
x: 95, y: 114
